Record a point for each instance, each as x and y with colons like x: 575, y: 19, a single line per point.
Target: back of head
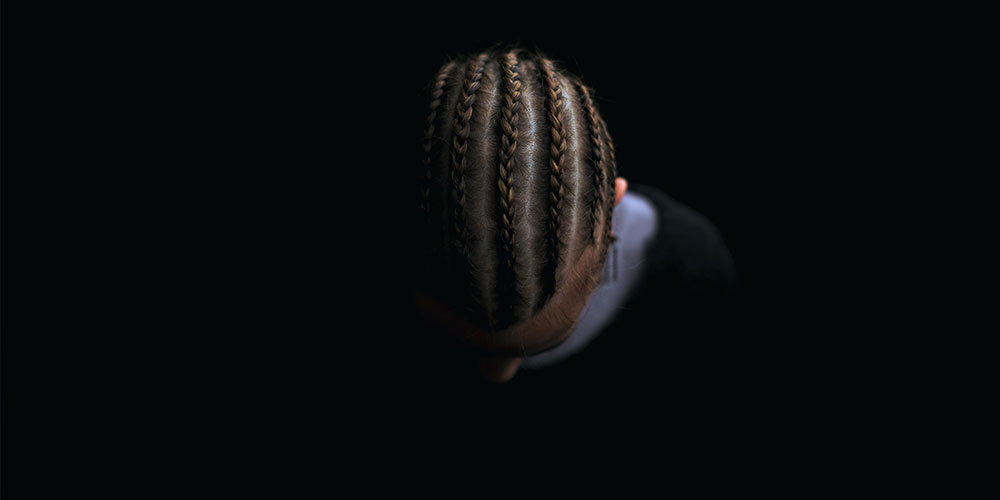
x: 517, y: 188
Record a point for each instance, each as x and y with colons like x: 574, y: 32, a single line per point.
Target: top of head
x: 517, y: 189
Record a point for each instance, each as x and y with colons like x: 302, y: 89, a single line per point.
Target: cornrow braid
x: 557, y: 147
x: 460, y: 143
x: 508, y: 148
x: 436, y: 91
x: 599, y: 198
x: 611, y: 175
x: 459, y: 147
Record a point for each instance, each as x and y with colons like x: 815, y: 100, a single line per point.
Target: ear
x: 621, y: 185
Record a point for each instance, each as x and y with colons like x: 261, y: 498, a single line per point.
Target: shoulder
x: 687, y: 256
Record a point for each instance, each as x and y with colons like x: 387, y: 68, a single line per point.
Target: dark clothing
x: 672, y: 315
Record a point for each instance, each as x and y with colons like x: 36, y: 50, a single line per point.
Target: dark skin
x: 549, y: 327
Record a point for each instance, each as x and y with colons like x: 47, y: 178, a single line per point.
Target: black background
x: 257, y: 164
x: 212, y: 262
x: 296, y: 140
x: 789, y: 136
x: 770, y: 129
x: 222, y: 275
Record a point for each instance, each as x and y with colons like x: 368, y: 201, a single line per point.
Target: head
x: 517, y: 193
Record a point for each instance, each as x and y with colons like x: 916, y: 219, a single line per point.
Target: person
x: 537, y: 261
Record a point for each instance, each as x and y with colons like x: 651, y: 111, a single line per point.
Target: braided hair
x: 517, y: 182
